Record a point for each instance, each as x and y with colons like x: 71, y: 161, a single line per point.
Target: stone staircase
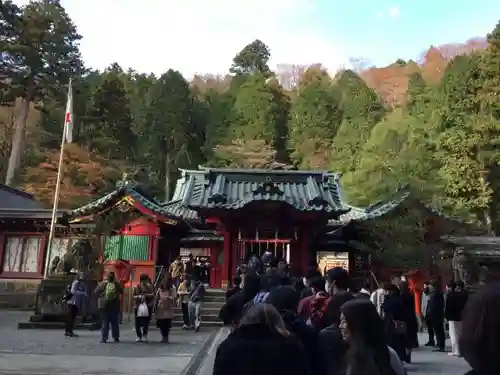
x: 214, y: 300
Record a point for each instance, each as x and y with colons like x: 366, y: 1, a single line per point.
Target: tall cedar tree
x: 168, y: 120
x: 39, y: 54
x: 466, y: 143
x: 316, y: 115
x: 109, y: 129
x: 262, y: 110
x: 361, y: 110
x: 252, y: 59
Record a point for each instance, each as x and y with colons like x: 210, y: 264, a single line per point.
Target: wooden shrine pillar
x: 227, y: 249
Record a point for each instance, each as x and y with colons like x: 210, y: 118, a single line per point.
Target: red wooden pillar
x: 227, y: 257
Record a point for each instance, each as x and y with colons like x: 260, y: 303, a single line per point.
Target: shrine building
x: 222, y: 214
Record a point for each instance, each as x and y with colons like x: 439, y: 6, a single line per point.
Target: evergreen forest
x: 440, y: 137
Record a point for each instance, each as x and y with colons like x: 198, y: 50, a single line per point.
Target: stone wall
x: 18, y: 293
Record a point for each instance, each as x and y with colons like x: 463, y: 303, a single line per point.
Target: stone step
x: 215, y: 299
x: 203, y: 324
x: 204, y: 317
x: 58, y: 325
x: 204, y: 310
x: 209, y: 305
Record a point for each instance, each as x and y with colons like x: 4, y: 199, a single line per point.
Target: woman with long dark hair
x: 480, y: 339
x: 410, y: 319
x: 261, y: 345
x: 363, y: 330
x: 234, y: 308
x: 332, y: 347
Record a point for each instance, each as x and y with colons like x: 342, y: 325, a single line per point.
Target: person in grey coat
x: 424, y: 310
x: 76, y: 297
x: 194, y: 305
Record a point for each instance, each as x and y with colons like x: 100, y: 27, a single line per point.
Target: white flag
x: 68, y: 118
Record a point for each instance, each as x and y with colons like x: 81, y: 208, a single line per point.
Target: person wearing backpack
x: 338, y: 282
x: 316, y: 285
x: 109, y: 293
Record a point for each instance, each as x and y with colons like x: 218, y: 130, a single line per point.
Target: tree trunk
x: 167, y: 177
x: 17, y: 140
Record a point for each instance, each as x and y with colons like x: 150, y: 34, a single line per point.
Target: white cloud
x: 196, y: 36
x: 391, y: 12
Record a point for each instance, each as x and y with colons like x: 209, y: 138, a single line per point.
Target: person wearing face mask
x: 423, y: 308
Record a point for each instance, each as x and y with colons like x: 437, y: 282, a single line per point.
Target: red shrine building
x: 222, y: 214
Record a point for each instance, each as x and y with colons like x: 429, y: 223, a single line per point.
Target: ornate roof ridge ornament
x: 268, y: 188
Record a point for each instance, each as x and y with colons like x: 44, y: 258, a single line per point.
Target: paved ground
x: 43, y: 352
x: 40, y: 352
x: 425, y: 362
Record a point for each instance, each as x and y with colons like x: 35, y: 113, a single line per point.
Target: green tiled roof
x: 176, y: 208
x: 384, y: 207
x: 130, y: 188
x: 233, y: 189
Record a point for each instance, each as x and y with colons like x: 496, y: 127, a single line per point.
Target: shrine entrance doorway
x: 280, y: 248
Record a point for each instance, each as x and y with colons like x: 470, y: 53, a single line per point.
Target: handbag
x: 67, y: 294
x: 142, y: 310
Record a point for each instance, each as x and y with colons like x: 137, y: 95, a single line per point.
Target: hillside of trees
x: 433, y: 125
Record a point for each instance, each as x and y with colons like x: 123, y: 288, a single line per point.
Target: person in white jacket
x: 377, y: 298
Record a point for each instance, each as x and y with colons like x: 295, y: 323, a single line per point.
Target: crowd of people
x: 181, y: 286
x: 312, y: 325
x: 320, y: 325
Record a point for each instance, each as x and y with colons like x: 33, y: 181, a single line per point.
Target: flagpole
x: 56, y: 201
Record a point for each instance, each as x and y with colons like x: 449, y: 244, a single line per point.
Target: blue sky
x: 199, y: 36
x: 369, y: 30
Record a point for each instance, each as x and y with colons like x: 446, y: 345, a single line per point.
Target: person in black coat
x: 435, y: 314
x: 480, y: 338
x: 286, y: 300
x: 394, y: 317
x: 233, y: 309
x: 408, y: 299
x: 235, y: 289
x: 456, y: 300
x: 261, y: 345
x: 332, y: 346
